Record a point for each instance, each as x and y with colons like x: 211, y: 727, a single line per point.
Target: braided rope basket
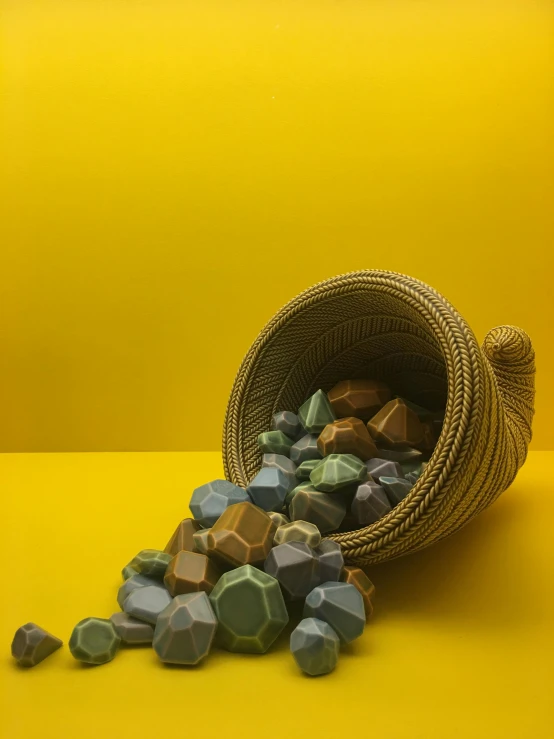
x: 388, y: 326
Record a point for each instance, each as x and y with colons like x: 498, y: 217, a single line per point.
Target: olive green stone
x: 250, y: 609
x: 316, y: 413
x: 275, y: 442
x: 200, y: 539
x: 337, y: 471
x: 94, y: 641
x: 414, y: 465
x: 151, y: 563
x: 325, y: 511
x: 304, y: 470
x: 128, y: 571
x: 279, y: 519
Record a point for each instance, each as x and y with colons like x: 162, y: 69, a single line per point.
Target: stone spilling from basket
x: 234, y: 572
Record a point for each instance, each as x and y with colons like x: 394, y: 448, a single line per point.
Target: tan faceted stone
x: 347, y: 436
x: 357, y: 577
x: 358, y: 398
x: 242, y: 535
x: 189, y: 572
x: 182, y: 537
x: 396, y: 425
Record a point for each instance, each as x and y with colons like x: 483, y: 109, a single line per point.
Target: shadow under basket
x: 388, y: 326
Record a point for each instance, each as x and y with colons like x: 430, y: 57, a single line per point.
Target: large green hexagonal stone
x: 337, y: 471
x: 250, y: 609
x: 94, y: 640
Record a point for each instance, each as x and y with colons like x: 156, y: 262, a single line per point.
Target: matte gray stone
x: 305, y: 448
x: 185, y: 630
x: 294, y: 565
x: 378, y: 468
x: 316, y: 413
x: 94, y: 641
x: 325, y: 511
x: 268, y: 489
x: 147, y: 603
x: 286, y: 465
x: 370, y: 503
x: 134, y: 582
x: 413, y: 466
x: 315, y: 647
x: 275, y: 442
x: 131, y: 630
x: 341, y: 606
x: 287, y: 422
x: 338, y: 471
x: 396, y: 489
x: 329, y: 561
x: 304, y: 470
x: 210, y: 500
x: 412, y: 477
x: 31, y: 644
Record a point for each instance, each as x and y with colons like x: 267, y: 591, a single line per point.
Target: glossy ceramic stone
x: 268, y: 489
x: 378, y: 468
x: 396, y: 489
x: 287, y: 422
x: 330, y: 561
x: 275, y: 442
x: 357, y: 577
x: 242, y: 535
x: 337, y: 471
x: 304, y: 470
x: 358, y: 398
x: 324, y: 511
x: 396, y: 425
x: 304, y: 449
x: 370, y: 503
x: 298, y: 531
x: 316, y: 413
x: 294, y: 565
x: 347, y: 436
x: 286, y: 465
x: 341, y: 606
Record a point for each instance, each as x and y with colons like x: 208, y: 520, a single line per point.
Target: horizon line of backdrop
x: 174, y: 172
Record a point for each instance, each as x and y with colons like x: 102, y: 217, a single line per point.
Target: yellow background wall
x: 173, y: 172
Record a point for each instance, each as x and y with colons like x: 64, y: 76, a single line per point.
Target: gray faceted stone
x: 337, y: 471
x: 329, y: 561
x: 414, y: 465
x: 185, y: 630
x: 370, y: 503
x: 294, y: 565
x: 316, y: 413
x: 396, y: 489
x: 200, y: 539
x: 325, y: 511
x: 274, y: 442
x: 305, y: 448
x: 402, y: 454
x: 147, y: 603
x: 341, y: 606
x: 94, y: 641
x: 315, y: 646
x: 412, y: 477
x: 131, y: 630
x: 268, y: 489
x: 210, y: 500
x: 304, y: 470
x: 286, y: 422
x: 286, y: 465
x: 134, y: 582
x: 378, y: 468
x: 31, y: 644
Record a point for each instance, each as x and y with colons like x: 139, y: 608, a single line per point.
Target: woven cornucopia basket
x: 388, y: 326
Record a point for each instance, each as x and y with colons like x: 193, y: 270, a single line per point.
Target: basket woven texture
x: 388, y: 326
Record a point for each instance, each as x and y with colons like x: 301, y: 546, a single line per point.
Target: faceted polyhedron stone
x: 294, y: 565
x: 424, y: 414
x: 128, y: 571
x: 429, y: 439
x: 412, y: 477
x: 400, y: 454
x: 31, y: 645
x: 298, y: 531
x: 131, y: 630
x: 269, y: 488
x: 243, y: 535
x: 210, y: 500
x: 182, y: 537
x: 151, y: 563
x: 325, y: 511
x: 347, y: 436
x: 370, y: 503
x: 337, y: 471
x: 190, y: 572
x: 275, y: 442
x: 412, y: 466
x: 305, y: 448
x: 357, y: 577
x: 341, y: 606
x: 396, y: 425
x: 134, y: 582
x: 289, y: 496
x: 316, y: 413
x: 200, y: 539
x: 147, y: 603
x: 286, y: 422
x: 378, y: 468
x: 358, y: 398
x: 94, y: 641
x: 330, y: 561
x: 396, y: 489
x: 286, y: 465
x: 185, y: 630
x: 250, y: 608
x: 279, y: 519
x: 304, y: 470
x: 315, y: 646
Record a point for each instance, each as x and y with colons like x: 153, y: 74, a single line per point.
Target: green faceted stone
x: 337, y: 471
x: 151, y: 563
x: 250, y: 609
x: 128, y: 571
x: 289, y: 496
x: 94, y: 641
x: 316, y: 413
x: 413, y: 465
x: 275, y: 442
x: 304, y: 470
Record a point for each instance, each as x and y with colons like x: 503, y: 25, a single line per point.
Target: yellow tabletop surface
x: 461, y: 643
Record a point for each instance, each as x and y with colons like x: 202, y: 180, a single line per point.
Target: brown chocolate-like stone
x: 189, y: 572
x: 182, y: 537
x: 357, y: 577
x: 396, y: 425
x: 347, y: 436
x: 242, y: 535
x: 358, y: 398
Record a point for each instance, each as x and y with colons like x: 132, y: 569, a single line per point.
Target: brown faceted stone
x: 347, y: 436
x: 189, y: 572
x: 182, y: 537
x: 242, y: 535
x: 358, y: 398
x: 396, y: 425
x: 357, y: 577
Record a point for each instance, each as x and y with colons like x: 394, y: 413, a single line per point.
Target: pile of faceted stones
x: 234, y: 571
